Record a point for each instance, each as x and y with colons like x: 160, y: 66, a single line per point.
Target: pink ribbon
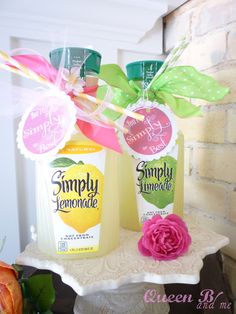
x: 105, y: 136
x: 39, y: 65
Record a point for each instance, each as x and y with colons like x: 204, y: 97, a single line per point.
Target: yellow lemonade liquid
x: 77, y: 190
x: 128, y: 198
x: 78, y: 222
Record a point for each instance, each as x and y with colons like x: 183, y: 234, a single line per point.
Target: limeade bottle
x: 77, y: 190
x: 147, y: 188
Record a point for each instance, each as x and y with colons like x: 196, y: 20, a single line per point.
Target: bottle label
x: 155, y: 185
x: 75, y: 181
x: 153, y: 137
x: 47, y: 125
x: 152, y: 143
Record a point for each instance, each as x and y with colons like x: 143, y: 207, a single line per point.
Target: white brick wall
x: 208, y: 129
x: 212, y: 15
x: 210, y: 150
x: 207, y: 195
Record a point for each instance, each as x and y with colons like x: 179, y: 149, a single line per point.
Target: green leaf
x: 28, y: 307
x: 80, y: 162
x: 113, y: 75
x: 62, y: 162
x: 180, y: 106
x: 160, y: 198
x: 187, y: 81
x: 185, y: 109
x: 41, y: 291
x: 119, y: 98
x: 18, y: 268
x: 23, y: 284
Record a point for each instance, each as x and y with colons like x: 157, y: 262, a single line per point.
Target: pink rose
x: 164, y: 238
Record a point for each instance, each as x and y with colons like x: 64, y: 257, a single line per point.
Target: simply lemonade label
x: 76, y: 180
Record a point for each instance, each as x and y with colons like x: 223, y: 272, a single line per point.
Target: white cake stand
x: 116, y: 283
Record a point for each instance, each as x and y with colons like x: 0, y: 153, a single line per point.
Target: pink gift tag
x: 152, y: 138
x: 47, y: 125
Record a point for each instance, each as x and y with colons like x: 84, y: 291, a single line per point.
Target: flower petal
x: 164, y: 238
x: 75, y: 71
x: 6, y: 305
x: 65, y: 74
x: 11, y: 291
x: 142, y: 249
x: 176, y: 219
x: 150, y: 222
x: 4, y: 265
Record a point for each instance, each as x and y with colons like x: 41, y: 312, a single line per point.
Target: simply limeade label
x: 75, y: 184
x: 155, y: 185
x: 152, y: 143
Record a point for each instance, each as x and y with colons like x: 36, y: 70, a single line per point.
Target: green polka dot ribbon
x: 173, y: 87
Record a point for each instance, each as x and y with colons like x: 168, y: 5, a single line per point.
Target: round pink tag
x: 152, y: 138
x: 47, y: 125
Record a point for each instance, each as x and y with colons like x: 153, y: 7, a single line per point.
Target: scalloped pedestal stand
x: 117, y: 282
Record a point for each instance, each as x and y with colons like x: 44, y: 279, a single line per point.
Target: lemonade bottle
x: 153, y: 186
x: 76, y: 190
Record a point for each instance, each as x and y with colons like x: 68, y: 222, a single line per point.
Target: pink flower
x: 74, y: 83
x: 164, y: 238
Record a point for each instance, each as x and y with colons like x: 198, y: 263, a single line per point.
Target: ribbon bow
x: 173, y: 87
x: 93, y: 123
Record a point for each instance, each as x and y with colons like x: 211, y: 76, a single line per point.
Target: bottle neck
x: 143, y: 83
x: 91, y: 84
x: 91, y: 80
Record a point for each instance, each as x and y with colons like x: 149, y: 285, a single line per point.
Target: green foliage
x: 113, y: 75
x: 62, y: 162
x: 38, y: 294
x: 172, y: 87
x: 188, y: 82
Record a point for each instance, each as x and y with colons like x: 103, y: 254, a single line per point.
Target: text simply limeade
x: 77, y: 199
x: 150, y: 184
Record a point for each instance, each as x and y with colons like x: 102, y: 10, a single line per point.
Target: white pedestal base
x: 116, y: 283
x: 128, y: 299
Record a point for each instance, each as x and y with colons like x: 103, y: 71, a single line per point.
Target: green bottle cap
x: 88, y: 59
x: 143, y: 70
